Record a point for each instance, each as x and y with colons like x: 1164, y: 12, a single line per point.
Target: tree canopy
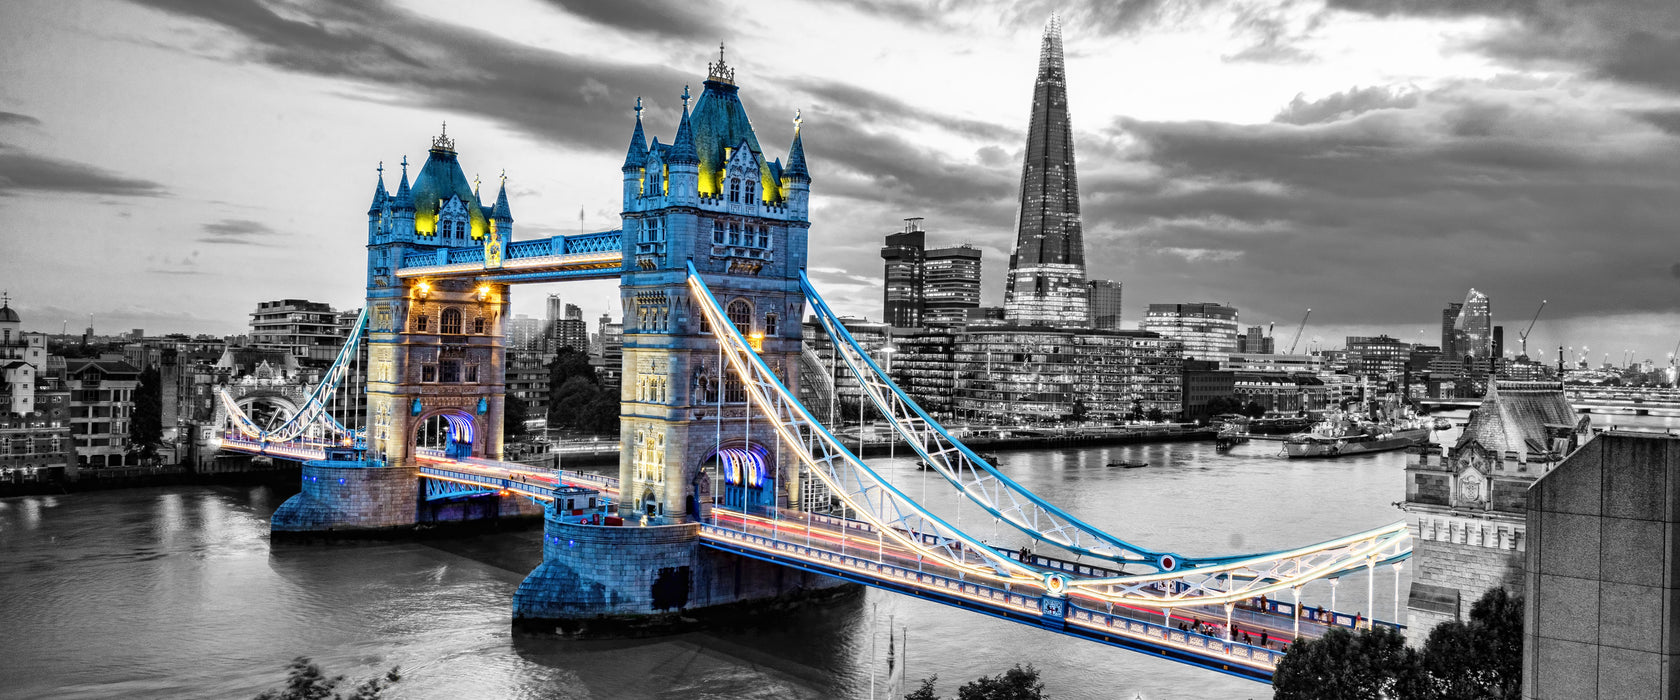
x: 305, y: 681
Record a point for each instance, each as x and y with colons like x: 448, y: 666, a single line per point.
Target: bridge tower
x: 712, y: 197
x: 435, y: 353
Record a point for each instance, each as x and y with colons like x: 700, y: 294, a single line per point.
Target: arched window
x: 451, y: 322
x: 420, y: 323
x: 752, y: 188
x: 478, y: 325
x: 461, y: 230
x: 734, y: 189
x: 740, y: 314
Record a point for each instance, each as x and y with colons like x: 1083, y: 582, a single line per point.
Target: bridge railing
x: 1032, y: 605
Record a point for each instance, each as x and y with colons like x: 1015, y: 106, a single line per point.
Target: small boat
x: 1443, y: 424
x: 990, y: 457
x: 1129, y: 464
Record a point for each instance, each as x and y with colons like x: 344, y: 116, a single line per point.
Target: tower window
x: 752, y: 188
x: 740, y: 314
x: 734, y: 234
x: 734, y: 189
x: 451, y: 321
x: 449, y: 371
x: 770, y: 324
x: 478, y: 325
x: 717, y: 232
x: 420, y: 323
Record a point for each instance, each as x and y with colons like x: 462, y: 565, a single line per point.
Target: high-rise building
x: 1104, y: 303
x: 1208, y: 330
x: 951, y: 284
x: 1255, y: 342
x: 1378, y: 356
x: 901, y: 297
x: 1473, y: 329
x: 1046, y: 281
x: 524, y: 333
x: 308, y: 330
x: 1449, y: 316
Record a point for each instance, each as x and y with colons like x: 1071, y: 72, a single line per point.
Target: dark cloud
x: 1383, y: 217
x: 20, y: 172
x: 1342, y: 105
x: 14, y: 119
x: 238, y: 232
x: 1636, y: 41
x: 685, y: 20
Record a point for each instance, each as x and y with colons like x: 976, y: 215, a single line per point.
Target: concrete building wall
x: 1603, y: 573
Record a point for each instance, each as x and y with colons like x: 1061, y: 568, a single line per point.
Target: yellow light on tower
x: 756, y: 340
x: 483, y: 292
x: 423, y: 289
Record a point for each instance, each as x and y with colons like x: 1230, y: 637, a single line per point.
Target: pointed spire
x: 796, y: 153
x: 636, y: 157
x: 502, y: 211
x: 379, y: 194
x: 682, y: 150
x: 404, y: 198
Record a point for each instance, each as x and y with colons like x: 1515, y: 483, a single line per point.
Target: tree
x: 1254, y: 410
x: 1015, y: 684
x: 1080, y: 411
x: 1342, y: 665
x: 514, y: 415
x: 304, y: 681
x: 925, y: 692
x: 1156, y: 415
x: 145, y: 425
x: 1478, y: 659
x: 568, y: 401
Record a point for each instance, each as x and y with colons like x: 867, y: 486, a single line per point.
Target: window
x: 451, y: 321
x: 740, y: 314
x: 449, y: 371
x: 770, y: 324
x: 472, y: 374
x: 717, y: 232
x: 734, y: 234
x: 478, y: 325
x: 420, y: 323
x: 763, y: 237
x: 428, y: 373
x: 734, y: 189
x: 752, y: 187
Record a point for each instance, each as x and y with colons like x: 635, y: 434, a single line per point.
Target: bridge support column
x: 349, y: 498
x: 601, y: 581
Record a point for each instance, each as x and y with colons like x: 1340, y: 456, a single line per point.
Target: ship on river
x: 1342, y: 434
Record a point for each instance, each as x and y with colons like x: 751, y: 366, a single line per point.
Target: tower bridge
x: 718, y: 451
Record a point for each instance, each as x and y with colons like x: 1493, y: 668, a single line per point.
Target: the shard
x: 1046, y: 283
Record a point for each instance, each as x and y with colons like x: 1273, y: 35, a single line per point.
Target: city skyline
x: 1290, y: 155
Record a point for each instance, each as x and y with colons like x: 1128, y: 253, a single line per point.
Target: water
x: 176, y: 592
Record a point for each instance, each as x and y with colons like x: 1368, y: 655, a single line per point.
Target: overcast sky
x: 167, y: 164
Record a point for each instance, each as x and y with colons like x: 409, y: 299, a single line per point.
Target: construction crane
x: 1524, y: 336
x: 1298, y: 330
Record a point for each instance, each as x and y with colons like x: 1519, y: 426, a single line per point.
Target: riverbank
x: 281, y: 473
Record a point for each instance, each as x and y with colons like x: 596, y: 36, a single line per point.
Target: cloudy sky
x: 166, y: 164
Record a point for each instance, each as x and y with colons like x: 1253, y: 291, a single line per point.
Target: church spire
x: 682, y: 150
x: 637, y: 156
x: 796, y: 153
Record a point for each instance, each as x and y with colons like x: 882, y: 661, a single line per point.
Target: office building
x: 901, y: 296
x: 1046, y: 281
x: 524, y: 333
x: 101, y: 405
x: 1208, y: 331
x: 1377, y: 357
x: 1449, y: 317
x: 1254, y: 342
x: 1473, y: 329
x: 950, y: 285
x: 310, y: 331
x: 1103, y: 298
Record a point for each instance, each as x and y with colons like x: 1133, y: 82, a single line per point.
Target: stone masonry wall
x: 353, y: 497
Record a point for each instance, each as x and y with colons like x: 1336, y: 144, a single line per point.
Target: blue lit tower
x: 710, y: 196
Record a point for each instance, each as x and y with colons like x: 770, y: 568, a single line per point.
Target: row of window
x: 736, y: 193
x: 449, y: 323
x: 449, y: 372
x: 735, y: 233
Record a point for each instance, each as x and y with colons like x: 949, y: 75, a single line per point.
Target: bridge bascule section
x: 717, y: 447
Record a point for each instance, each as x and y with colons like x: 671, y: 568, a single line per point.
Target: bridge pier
x: 345, y: 497
x: 630, y: 580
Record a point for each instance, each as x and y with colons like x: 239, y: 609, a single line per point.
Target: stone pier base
x: 597, y: 581
x: 366, y: 500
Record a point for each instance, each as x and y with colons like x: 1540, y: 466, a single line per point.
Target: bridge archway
x: 452, y: 431
x: 268, y: 411
x: 748, y: 475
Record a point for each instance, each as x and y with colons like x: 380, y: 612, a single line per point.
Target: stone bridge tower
x: 712, y: 197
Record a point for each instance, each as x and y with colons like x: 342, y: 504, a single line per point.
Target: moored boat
x: 1343, y: 434
x: 1129, y: 464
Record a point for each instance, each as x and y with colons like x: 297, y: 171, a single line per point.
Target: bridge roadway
x: 851, y: 550
x: 511, y: 476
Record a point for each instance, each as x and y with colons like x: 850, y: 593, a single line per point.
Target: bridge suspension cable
x: 316, y: 413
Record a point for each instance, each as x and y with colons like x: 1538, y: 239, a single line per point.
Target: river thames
x: 177, y: 592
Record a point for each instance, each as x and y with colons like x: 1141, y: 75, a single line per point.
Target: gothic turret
x: 379, y: 194
x: 796, y: 179
x: 682, y: 150
x: 502, y: 217
x: 682, y: 162
x: 636, y: 157
x: 401, y: 224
